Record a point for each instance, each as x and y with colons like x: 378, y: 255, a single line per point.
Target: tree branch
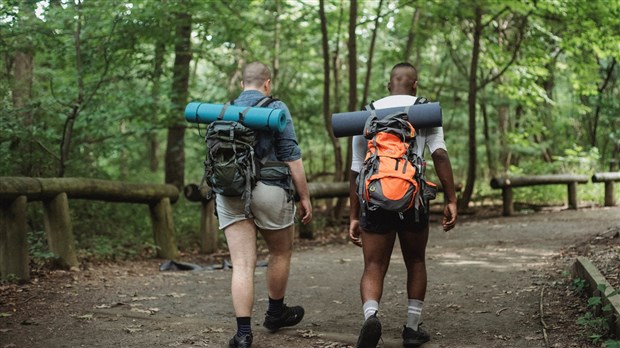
x: 459, y: 65
x: 515, y: 53
x: 484, y: 25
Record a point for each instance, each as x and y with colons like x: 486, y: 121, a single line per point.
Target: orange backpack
x: 392, y: 176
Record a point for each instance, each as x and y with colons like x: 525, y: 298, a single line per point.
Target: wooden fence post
x: 572, y: 195
x: 14, y: 259
x: 59, y: 229
x: 609, y: 194
x: 163, y: 229
x: 209, y: 228
x: 507, y: 206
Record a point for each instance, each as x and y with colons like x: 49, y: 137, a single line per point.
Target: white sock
x: 370, y: 307
x: 414, y: 313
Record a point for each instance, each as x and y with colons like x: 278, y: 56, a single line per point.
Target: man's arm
x: 443, y: 167
x: 354, y: 220
x: 301, y: 186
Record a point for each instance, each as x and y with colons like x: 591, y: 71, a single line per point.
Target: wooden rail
x: 608, y: 178
x: 16, y: 192
x: 507, y: 183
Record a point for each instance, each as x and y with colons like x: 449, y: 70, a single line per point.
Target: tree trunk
x: 22, y: 88
x: 371, y: 51
x: 22, y: 94
x: 502, y: 120
x: 336, y: 66
x: 411, y: 34
x: 471, y: 102
x: 487, y: 140
x: 276, y: 47
x: 67, y: 134
x: 352, y: 47
x: 175, y: 154
x: 597, y: 110
x: 153, y: 142
x: 338, y: 165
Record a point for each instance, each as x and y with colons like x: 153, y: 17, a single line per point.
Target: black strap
x: 243, y: 113
x: 221, y: 115
x: 420, y: 100
x: 264, y: 102
x: 198, y: 123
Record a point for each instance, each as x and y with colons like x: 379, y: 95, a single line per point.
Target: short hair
x: 255, y: 74
x: 405, y: 65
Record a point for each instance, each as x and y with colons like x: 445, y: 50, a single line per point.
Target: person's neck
x: 403, y: 92
x: 255, y: 89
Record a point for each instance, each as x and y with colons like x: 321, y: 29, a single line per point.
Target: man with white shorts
x: 272, y: 212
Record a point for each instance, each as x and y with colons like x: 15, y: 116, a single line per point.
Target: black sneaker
x: 413, y: 338
x: 370, y: 333
x: 290, y: 316
x: 244, y: 341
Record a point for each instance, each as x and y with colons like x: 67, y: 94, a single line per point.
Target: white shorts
x: 270, y: 208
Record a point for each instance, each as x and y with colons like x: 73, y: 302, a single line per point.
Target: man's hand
x: 355, y: 232
x: 449, y: 217
x: 306, y: 211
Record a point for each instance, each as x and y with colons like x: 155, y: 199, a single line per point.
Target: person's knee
x: 376, y: 265
x: 281, y: 254
x: 244, y: 264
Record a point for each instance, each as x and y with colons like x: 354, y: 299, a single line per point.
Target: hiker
x: 375, y: 230
x: 272, y: 210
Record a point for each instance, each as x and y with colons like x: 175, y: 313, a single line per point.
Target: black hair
x: 406, y: 65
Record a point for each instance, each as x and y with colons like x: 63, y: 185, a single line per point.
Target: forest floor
x: 489, y: 279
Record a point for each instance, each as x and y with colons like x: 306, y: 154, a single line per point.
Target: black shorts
x: 385, y: 221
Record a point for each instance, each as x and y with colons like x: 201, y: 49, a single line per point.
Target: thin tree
x: 23, y: 68
x: 352, y: 47
x: 476, y: 84
x: 175, y: 154
x: 84, y: 96
x: 371, y: 51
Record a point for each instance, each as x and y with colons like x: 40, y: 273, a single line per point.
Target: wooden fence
x: 608, y: 178
x: 16, y: 192
x: 506, y: 184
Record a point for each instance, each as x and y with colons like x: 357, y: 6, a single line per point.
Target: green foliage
x: 38, y: 249
x: 554, y: 110
x: 611, y: 344
x: 596, y: 320
x: 578, y: 285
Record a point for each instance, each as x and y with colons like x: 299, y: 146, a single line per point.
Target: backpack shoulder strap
x: 265, y: 101
x: 420, y: 100
x: 370, y: 107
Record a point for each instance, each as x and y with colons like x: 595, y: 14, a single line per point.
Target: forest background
x: 97, y: 88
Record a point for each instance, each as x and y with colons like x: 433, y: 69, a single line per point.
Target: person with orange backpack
x: 389, y: 196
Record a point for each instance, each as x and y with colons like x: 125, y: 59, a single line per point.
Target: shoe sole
x: 414, y: 343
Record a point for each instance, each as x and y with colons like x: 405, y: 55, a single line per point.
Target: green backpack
x: 231, y: 168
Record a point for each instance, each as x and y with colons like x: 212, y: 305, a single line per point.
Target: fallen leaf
x: 85, y: 317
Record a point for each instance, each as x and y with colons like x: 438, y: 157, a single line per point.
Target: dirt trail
x: 484, y: 290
